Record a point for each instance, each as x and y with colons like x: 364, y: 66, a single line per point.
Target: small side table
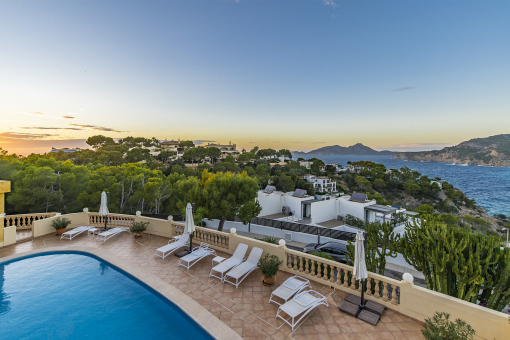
x: 93, y: 231
x: 218, y: 260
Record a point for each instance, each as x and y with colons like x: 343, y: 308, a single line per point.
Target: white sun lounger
x: 300, y: 306
x: 196, y: 255
x: 289, y: 288
x: 105, y: 235
x: 230, y: 263
x: 69, y: 235
x: 239, y: 273
x: 173, y: 245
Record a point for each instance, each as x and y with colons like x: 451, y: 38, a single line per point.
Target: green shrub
x: 268, y: 239
x: 139, y: 227
x: 353, y: 221
x: 269, y: 265
x: 60, y: 223
x: 439, y: 327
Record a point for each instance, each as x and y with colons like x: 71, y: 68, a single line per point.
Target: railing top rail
x: 112, y: 215
x: 32, y: 214
x: 342, y: 266
x: 211, y: 231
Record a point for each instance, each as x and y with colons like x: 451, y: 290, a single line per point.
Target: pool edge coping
x: 193, y: 309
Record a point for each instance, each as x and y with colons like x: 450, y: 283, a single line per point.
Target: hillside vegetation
x: 490, y: 151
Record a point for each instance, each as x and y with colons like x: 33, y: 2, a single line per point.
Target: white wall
x: 353, y: 208
x: 324, y: 211
x: 270, y: 203
x: 294, y: 204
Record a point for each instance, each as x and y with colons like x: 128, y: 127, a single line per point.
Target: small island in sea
x: 489, y: 151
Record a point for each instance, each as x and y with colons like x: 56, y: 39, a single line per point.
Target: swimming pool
x: 74, y: 295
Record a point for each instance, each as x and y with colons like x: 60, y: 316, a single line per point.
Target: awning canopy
x: 381, y: 209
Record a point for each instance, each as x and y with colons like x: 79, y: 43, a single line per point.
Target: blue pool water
x: 78, y: 296
x: 488, y: 186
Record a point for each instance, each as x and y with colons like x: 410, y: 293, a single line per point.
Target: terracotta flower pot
x: 137, y: 235
x: 268, y: 281
x: 61, y: 231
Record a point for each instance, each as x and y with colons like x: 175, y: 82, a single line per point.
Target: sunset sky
x: 398, y: 75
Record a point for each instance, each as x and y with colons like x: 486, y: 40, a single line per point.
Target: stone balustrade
x: 25, y: 221
x: 216, y: 239
x: 113, y: 220
x: 339, y: 275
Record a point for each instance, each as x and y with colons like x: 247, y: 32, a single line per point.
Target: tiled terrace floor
x: 246, y: 309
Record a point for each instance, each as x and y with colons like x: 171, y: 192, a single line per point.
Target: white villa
x: 308, y: 210
x: 321, y: 183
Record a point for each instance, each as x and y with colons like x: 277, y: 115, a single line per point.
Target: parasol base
x: 181, y: 253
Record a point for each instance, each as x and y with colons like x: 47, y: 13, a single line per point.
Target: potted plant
x: 268, y: 266
x: 60, y: 224
x: 138, y: 228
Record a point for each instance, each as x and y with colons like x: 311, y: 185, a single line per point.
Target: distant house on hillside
x: 66, y: 150
x: 306, y: 164
x: 226, y: 149
x: 321, y: 183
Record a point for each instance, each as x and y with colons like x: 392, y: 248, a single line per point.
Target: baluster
x: 338, y: 276
x: 307, y: 266
x: 312, y: 269
x: 332, y: 279
x: 385, y: 292
x: 289, y: 264
x: 360, y: 286
x: 346, y: 278
x: 369, y: 285
x: 325, y: 277
x: 394, y: 295
x: 301, y: 264
x: 296, y: 259
x: 353, y: 283
x: 319, y: 270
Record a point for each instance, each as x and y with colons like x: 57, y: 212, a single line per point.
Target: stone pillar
x: 5, y: 187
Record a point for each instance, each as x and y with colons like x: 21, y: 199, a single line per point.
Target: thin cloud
x: 36, y: 113
x: 68, y: 117
x: 405, y: 88
x: 329, y: 3
x: 49, y: 128
x: 96, y: 128
x: 21, y: 135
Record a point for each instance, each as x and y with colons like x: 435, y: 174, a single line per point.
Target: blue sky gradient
x: 402, y: 75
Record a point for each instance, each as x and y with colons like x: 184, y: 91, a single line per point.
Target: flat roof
x: 411, y: 213
x: 381, y: 208
x: 310, y: 201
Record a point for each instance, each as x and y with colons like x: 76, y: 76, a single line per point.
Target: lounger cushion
x: 241, y: 269
x: 226, y: 265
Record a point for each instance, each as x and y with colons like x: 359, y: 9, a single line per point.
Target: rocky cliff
x: 490, y: 151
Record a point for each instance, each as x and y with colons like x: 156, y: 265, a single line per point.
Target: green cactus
x: 457, y: 262
x: 381, y: 242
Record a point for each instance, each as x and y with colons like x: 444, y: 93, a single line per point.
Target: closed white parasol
x: 103, y: 208
x: 189, y: 225
x: 360, y: 268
